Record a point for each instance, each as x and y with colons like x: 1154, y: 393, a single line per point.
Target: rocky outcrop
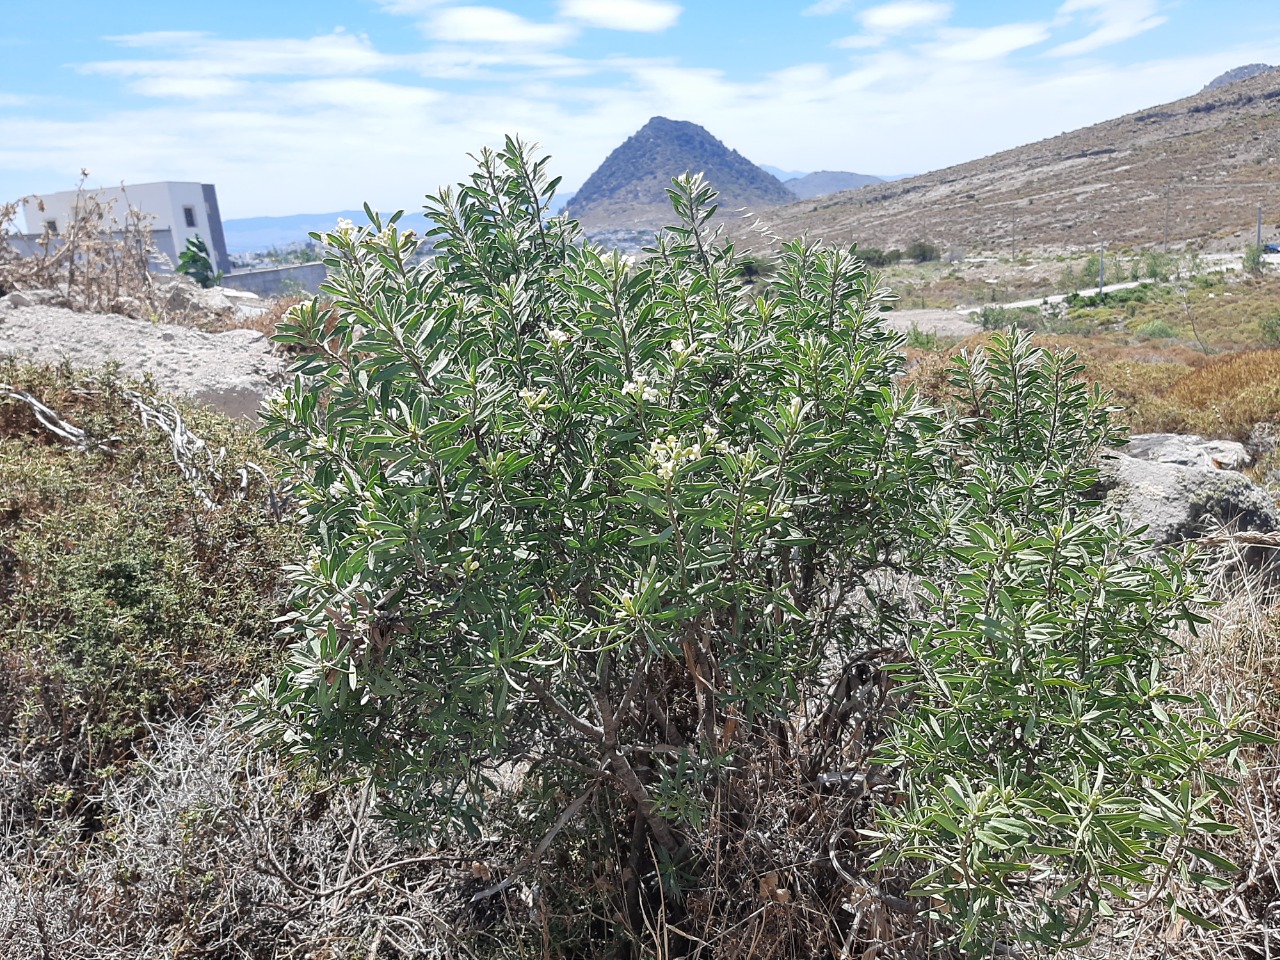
x: 230, y: 371
x: 1177, y: 502
x: 29, y: 298
x: 182, y: 299
x: 1248, y: 71
x: 1186, y: 450
x: 1264, y: 438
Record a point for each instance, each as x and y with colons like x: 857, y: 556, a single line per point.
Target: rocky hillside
x: 826, y: 182
x: 1201, y: 165
x: 1235, y: 76
x: 628, y: 191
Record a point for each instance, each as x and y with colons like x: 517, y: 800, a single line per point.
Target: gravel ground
x: 231, y: 371
x: 945, y: 323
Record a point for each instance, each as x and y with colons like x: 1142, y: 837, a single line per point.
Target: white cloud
x: 494, y: 25
x: 903, y: 15
x: 481, y: 63
x: 1113, y: 21
x: 297, y: 134
x: 824, y: 7
x: 411, y: 7
x: 645, y: 16
x: 990, y: 43
x: 181, y: 87
x: 892, y: 19
x: 361, y: 93
x: 201, y: 56
x: 860, y: 41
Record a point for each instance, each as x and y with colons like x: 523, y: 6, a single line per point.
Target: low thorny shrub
x: 103, y: 260
x: 771, y: 657
x: 128, y: 592
x: 99, y: 261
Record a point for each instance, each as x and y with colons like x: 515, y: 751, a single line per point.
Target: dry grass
x: 217, y: 849
x: 1159, y: 386
x: 1222, y: 396
x: 265, y: 321
x: 1234, y: 662
x: 98, y: 262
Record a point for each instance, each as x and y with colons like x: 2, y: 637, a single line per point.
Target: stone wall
x: 279, y: 281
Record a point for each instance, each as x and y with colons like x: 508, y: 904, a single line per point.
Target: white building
x: 179, y: 211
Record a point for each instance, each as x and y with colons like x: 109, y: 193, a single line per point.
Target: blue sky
x: 294, y: 107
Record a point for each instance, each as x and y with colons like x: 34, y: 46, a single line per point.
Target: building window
x: 51, y: 226
x: 190, y: 214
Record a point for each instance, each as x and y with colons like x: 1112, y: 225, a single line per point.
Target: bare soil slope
x: 1201, y: 165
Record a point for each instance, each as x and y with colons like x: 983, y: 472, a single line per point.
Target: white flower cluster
x: 686, y: 352
x: 322, y: 444
x: 668, y: 455
x: 534, y: 399
x: 558, y: 338
x: 626, y: 606
x: 640, y: 389
x: 345, y: 227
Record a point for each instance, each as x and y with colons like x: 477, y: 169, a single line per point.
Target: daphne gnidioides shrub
x: 616, y: 536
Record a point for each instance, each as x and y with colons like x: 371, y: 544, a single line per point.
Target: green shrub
x: 1002, y: 318
x: 1113, y: 298
x: 627, y: 540
x: 124, y: 597
x: 1158, y: 265
x: 1089, y: 272
x: 1254, y: 262
x: 921, y: 340
x: 922, y: 251
x: 1269, y: 328
x: 875, y: 257
x: 1155, y: 330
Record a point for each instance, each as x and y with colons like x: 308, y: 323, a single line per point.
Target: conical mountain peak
x: 629, y: 190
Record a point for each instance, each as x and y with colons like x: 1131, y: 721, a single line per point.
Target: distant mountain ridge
x: 824, y: 182
x: 258, y: 234
x: 1194, y: 170
x: 1247, y: 72
x: 628, y: 191
x: 781, y: 174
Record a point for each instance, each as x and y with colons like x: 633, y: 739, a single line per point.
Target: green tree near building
x: 195, y: 262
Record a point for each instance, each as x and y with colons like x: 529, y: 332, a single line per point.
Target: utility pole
x: 1102, y: 247
x: 1168, y: 190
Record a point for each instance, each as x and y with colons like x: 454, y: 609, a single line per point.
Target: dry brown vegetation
x: 1235, y: 660
x: 101, y: 261
x: 1221, y: 386
x: 98, y: 262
